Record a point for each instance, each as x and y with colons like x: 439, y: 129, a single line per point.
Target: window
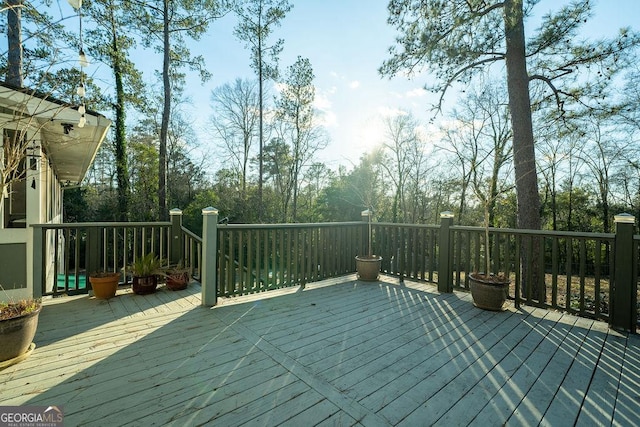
x: 15, y: 204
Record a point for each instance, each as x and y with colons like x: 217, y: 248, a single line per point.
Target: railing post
x: 37, y: 234
x: 209, y: 279
x: 623, y: 292
x: 92, y: 250
x: 445, y: 272
x: 176, y: 247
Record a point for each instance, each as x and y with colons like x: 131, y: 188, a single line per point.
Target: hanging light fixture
x: 84, y: 62
x: 76, y: 4
x: 82, y: 59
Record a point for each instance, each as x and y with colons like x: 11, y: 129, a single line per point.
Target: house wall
x: 43, y: 205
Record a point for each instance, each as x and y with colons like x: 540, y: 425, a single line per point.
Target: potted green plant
x: 18, y: 324
x: 368, y: 266
x: 104, y: 284
x: 144, y: 271
x: 176, y: 277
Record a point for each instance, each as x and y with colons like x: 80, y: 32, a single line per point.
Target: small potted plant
x: 145, y: 270
x: 18, y: 324
x: 177, y: 277
x: 368, y: 266
x: 104, y: 284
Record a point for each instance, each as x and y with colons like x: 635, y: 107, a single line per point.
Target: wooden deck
x: 338, y: 352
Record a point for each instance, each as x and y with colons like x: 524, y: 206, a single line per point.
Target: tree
x: 171, y: 22
x: 234, y: 124
x: 257, y: 20
x: 480, y: 139
x: 34, y: 41
x: 109, y: 42
x: 456, y: 38
x: 278, y: 168
x: 295, y: 115
x: 401, y: 141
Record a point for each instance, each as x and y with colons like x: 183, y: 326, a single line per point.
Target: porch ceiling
x: 72, y: 152
x: 70, y: 149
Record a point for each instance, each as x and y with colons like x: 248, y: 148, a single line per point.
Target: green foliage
x: 257, y: 20
x: 146, y: 265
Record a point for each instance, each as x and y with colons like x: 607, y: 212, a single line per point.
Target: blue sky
x: 346, y: 41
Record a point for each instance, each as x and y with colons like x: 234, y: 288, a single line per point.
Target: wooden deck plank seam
x: 351, y: 407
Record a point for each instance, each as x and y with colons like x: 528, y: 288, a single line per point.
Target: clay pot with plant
x: 18, y: 325
x: 145, y: 270
x: 488, y: 290
x: 368, y: 266
x: 104, y: 284
x: 176, y: 277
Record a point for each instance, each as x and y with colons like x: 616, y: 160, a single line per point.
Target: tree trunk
x: 122, y: 171
x: 523, y: 144
x: 260, y: 121
x: 163, y: 212
x: 14, y: 38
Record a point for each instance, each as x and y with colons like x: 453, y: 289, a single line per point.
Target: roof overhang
x: 70, y: 149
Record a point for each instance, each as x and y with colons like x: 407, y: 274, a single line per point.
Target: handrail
x: 545, y: 233
x: 288, y: 225
x: 49, y: 226
x: 191, y: 234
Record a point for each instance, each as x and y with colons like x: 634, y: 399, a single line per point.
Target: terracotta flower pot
x: 105, y: 285
x: 16, y: 334
x: 177, y: 281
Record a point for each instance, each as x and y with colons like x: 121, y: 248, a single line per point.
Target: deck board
x: 338, y: 352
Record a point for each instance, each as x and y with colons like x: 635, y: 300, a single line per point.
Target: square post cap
x: 446, y: 214
x: 175, y: 211
x: 366, y: 213
x: 210, y: 211
x: 624, y: 218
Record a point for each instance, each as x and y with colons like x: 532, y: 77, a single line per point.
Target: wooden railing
x: 68, y: 253
x: 255, y: 258
x: 589, y: 274
x: 575, y: 268
x: 72, y: 251
x: 407, y: 250
x: 191, y: 255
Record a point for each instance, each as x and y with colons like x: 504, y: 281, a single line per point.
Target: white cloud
x: 354, y: 84
x: 416, y: 93
x: 322, y: 102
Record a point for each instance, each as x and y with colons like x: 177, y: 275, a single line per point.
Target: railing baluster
x: 596, y: 274
x: 554, y: 273
x: 567, y: 273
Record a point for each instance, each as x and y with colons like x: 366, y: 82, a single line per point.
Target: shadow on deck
x: 339, y: 352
